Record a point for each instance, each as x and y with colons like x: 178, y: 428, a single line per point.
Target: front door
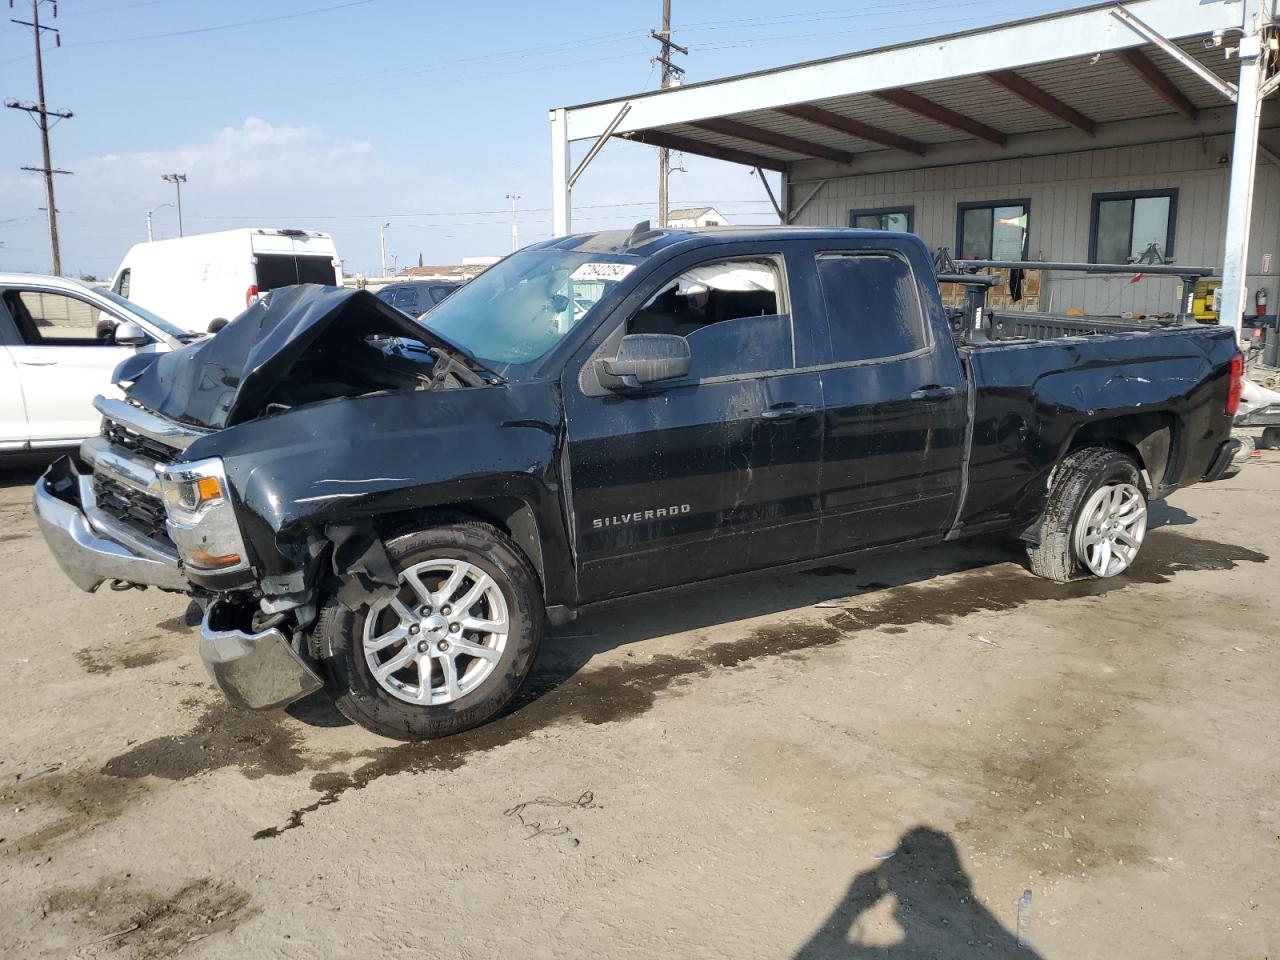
x: 895, y: 400
x: 64, y: 359
x: 709, y: 475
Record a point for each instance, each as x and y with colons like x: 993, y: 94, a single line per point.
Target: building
x: 1104, y: 134
x: 686, y: 218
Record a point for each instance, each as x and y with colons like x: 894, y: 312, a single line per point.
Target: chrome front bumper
x: 254, y: 671
x: 91, y: 547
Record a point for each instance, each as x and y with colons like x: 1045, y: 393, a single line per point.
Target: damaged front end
x: 247, y: 471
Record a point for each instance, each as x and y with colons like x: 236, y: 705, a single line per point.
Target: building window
x: 893, y: 219
x: 1136, y: 226
x: 993, y: 230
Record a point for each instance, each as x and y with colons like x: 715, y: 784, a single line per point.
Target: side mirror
x: 645, y: 358
x: 130, y: 335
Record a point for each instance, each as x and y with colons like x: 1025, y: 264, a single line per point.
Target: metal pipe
x: 1132, y: 269
x: 599, y: 144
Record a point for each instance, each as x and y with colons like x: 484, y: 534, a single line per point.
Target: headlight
x: 202, y: 522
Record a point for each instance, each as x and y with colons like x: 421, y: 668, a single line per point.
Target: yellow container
x: 1205, y: 305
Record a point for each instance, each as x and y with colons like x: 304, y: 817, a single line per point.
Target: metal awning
x: 1108, y: 74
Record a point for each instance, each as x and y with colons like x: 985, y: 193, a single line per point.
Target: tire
x: 1062, y: 554
x: 401, y: 705
x: 1270, y: 439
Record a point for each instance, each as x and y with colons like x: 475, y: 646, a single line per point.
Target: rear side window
x: 406, y: 299
x: 284, y: 270
x: 873, y: 306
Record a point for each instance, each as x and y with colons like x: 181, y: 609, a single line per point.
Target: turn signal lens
x: 209, y: 561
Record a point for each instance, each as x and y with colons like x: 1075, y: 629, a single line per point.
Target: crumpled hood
x: 224, y: 379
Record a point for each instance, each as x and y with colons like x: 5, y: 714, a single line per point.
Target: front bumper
x: 91, y: 547
x: 254, y: 671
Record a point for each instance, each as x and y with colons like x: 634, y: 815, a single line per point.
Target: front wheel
x: 450, y: 648
x: 1095, y: 520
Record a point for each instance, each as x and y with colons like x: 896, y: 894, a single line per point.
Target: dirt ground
x: 869, y: 762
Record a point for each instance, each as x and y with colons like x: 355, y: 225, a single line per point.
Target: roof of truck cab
x: 641, y: 243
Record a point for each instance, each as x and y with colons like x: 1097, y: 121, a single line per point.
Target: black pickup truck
x: 391, y: 509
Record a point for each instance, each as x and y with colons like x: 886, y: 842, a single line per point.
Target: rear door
x: 894, y: 398
x: 65, y: 359
x: 713, y: 474
x: 282, y: 260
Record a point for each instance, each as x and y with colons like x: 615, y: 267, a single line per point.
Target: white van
x: 194, y: 280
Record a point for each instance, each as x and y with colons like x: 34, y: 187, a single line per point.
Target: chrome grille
x: 142, y: 513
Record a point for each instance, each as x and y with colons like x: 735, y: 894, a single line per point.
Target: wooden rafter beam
x: 745, y: 131
x: 1024, y: 89
x: 1151, y: 75
x: 656, y: 138
x: 854, y: 128
x: 943, y: 115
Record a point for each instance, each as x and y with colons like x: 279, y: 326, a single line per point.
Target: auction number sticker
x: 612, y: 272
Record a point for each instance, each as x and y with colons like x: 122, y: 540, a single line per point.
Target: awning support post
x: 599, y: 144
x: 782, y: 217
x: 792, y: 214
x: 561, y: 192
x: 1223, y: 87
x: 1244, y: 164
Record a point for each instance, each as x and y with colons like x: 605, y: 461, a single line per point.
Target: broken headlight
x: 201, y: 520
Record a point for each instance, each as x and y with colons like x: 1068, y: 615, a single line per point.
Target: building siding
x: 1061, y: 189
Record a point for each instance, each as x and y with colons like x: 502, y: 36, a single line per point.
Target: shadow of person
x: 1161, y: 513
x: 925, y: 893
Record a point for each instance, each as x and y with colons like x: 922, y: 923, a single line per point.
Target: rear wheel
x: 450, y: 648
x: 1095, y: 521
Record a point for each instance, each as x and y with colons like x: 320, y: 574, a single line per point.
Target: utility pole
x: 515, y: 230
x: 670, y: 78
x: 177, y: 179
x: 40, y: 109
x: 382, y: 246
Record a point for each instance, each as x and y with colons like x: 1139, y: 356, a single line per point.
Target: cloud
x: 256, y: 153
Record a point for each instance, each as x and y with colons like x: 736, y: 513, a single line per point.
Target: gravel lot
x: 851, y: 763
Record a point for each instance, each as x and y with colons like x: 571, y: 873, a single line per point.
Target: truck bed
x: 1019, y: 325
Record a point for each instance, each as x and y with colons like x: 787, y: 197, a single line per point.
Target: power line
x: 229, y: 26
x: 40, y: 110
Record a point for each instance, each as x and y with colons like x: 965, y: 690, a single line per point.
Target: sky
x: 341, y: 116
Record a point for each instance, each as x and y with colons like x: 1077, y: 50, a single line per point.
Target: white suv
x: 59, y: 343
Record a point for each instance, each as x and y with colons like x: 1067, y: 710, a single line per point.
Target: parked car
x: 391, y: 509
x: 197, y: 279
x: 59, y: 343
x: 416, y: 297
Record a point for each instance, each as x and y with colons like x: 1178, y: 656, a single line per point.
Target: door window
x: 55, y: 318
x: 732, y: 312
x: 122, y: 282
x: 873, y: 306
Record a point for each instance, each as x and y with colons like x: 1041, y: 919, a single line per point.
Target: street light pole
x: 515, y: 230
x: 382, y: 246
x: 151, y: 211
x: 177, y: 179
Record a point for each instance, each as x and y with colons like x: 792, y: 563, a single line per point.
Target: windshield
x: 159, y: 322
x: 520, y: 308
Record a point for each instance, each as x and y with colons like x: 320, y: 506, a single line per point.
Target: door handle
x: 788, y: 411
x: 933, y: 393
x: 37, y: 362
